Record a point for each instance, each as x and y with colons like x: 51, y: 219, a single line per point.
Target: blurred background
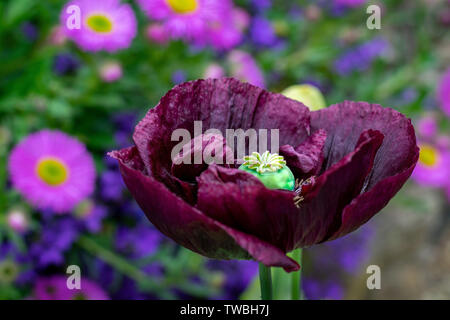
x: 86, y: 89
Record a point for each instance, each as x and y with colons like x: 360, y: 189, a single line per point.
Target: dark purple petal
x: 187, y: 225
x: 367, y: 204
x: 344, y: 123
x: 306, y: 159
x: 220, y: 104
x: 335, y: 188
x: 185, y: 165
x: 239, y: 200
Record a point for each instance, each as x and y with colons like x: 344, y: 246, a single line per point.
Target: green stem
x: 121, y: 265
x: 296, y: 289
x: 265, y: 279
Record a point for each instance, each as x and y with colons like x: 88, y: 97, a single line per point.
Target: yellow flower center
x: 183, y: 6
x: 99, y: 23
x: 52, y: 171
x: 428, y: 155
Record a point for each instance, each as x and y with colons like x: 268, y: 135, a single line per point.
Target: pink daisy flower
x: 192, y: 20
x: 226, y: 33
x: 111, y: 71
x: 427, y: 126
x: 214, y: 71
x: 17, y: 220
x: 105, y: 25
x: 52, y: 170
x: 157, y: 33
x: 244, y: 68
x: 55, y: 288
x: 433, y: 167
x: 444, y: 92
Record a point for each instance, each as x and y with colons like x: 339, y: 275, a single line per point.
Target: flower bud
x: 307, y: 94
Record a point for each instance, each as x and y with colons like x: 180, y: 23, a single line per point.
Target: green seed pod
x: 270, y: 169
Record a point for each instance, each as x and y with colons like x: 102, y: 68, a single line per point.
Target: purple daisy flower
x: 91, y: 215
x: 361, y: 57
x: 444, y: 92
x: 244, y: 68
x: 56, y: 237
x: 157, y: 33
x: 179, y: 76
x: 105, y: 25
x: 224, y: 35
x: 238, y: 276
x: 315, y: 290
x: 14, y: 266
x: 112, y: 185
x: 65, y: 63
x: 138, y: 242
x: 52, y: 170
x: 200, y: 21
x: 427, y: 127
x: 262, y: 32
x: 55, y: 288
x: 261, y: 5
x: 350, y: 3
x: 433, y: 167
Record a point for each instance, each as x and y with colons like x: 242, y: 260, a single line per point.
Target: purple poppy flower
x: 355, y: 155
x: 55, y: 288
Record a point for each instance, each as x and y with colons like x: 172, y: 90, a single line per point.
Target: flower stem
x: 265, y: 279
x: 296, y: 278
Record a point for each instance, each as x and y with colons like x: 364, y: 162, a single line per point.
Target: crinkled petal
x: 345, y: 121
x: 187, y: 225
x: 366, y: 205
x: 201, y: 151
x: 306, y: 159
x: 336, y: 188
x: 220, y: 104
